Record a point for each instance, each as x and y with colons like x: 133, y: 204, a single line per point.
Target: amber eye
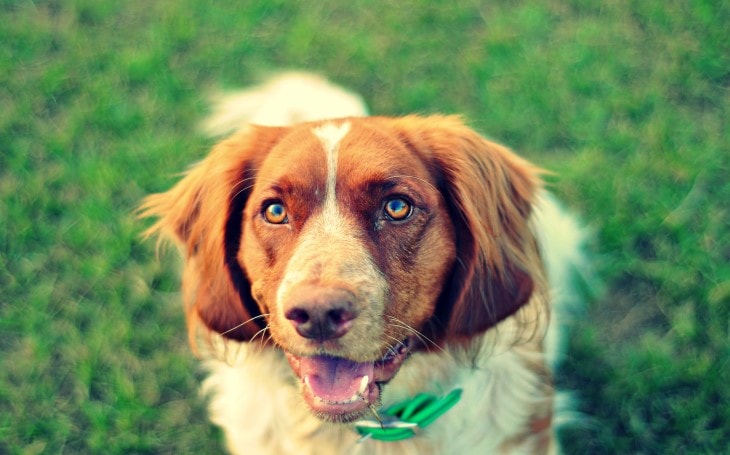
x: 275, y: 213
x: 398, y: 209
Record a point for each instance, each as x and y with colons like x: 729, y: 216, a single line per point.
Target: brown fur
x: 480, y: 263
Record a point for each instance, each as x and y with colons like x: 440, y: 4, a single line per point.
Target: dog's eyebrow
x: 389, y: 183
x: 287, y: 185
x: 383, y: 185
x: 292, y: 188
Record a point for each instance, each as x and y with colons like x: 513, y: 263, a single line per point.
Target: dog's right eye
x: 398, y: 209
x: 275, y: 213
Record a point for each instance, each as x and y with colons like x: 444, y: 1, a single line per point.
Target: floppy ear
x: 489, y: 191
x: 203, y: 213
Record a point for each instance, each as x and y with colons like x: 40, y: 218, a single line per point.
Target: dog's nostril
x: 297, y: 315
x: 339, y: 316
x: 335, y: 317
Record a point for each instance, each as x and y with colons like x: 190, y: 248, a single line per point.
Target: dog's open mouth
x: 342, y: 390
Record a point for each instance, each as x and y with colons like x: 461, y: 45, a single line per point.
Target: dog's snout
x: 322, y: 314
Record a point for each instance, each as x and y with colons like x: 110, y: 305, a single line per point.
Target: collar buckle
x: 406, y: 419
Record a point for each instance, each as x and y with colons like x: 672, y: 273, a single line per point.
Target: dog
x: 365, y: 284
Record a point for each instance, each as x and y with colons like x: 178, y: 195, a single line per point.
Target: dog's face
x: 347, y: 252
x: 350, y: 242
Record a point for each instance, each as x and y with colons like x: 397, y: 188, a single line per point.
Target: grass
x: 626, y: 101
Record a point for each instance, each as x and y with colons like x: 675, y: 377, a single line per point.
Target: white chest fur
x: 255, y: 398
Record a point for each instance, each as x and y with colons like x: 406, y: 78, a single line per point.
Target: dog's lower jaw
x: 339, y: 390
x: 341, y: 413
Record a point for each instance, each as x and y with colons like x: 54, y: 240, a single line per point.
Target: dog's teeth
x: 364, y: 381
x: 363, y: 385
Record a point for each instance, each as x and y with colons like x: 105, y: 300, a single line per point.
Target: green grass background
x: 626, y: 101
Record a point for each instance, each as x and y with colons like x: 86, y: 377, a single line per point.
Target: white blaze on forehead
x: 322, y: 229
x: 331, y: 135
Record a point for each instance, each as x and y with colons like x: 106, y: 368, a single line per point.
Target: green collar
x: 404, y: 420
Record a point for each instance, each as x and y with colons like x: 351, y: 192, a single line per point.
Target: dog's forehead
x: 298, y: 155
x: 347, y: 151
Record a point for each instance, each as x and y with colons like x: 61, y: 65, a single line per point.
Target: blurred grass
x: 626, y: 101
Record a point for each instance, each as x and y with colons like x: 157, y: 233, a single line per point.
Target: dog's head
x: 349, y: 243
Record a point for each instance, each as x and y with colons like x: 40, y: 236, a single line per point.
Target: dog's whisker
x: 400, y: 176
x: 393, y: 349
x: 242, y: 190
x: 244, y: 323
x: 254, y: 179
x: 246, y: 179
x: 260, y: 333
x: 426, y: 340
x: 246, y: 188
x: 229, y: 352
x: 268, y: 339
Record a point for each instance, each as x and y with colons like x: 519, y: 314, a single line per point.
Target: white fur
x: 284, y: 100
x: 255, y: 397
x: 331, y: 135
x: 561, y: 240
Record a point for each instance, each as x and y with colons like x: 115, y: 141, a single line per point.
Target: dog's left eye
x: 275, y: 213
x: 397, y: 209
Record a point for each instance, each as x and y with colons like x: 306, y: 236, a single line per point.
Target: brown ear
x: 203, y: 213
x: 489, y: 191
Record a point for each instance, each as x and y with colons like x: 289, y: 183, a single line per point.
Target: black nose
x: 322, y: 313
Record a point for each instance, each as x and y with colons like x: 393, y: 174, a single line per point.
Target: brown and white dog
x: 336, y: 264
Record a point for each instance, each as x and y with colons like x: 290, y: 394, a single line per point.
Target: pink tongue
x: 334, y: 378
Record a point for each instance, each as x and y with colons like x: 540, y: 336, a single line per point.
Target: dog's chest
x: 256, y: 400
